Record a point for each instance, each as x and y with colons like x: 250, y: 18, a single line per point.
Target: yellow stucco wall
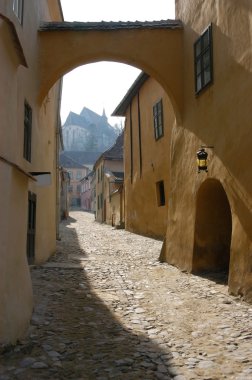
x: 44, y: 159
x: 15, y: 283
x: 19, y: 84
x: 142, y: 213
x: 220, y: 116
x: 158, y: 52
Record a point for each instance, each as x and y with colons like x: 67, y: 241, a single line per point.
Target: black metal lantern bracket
x: 202, y: 156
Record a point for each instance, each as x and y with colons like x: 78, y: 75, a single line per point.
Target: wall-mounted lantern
x: 202, y: 159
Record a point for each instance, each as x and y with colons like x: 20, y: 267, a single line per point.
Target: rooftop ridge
x: 109, y: 25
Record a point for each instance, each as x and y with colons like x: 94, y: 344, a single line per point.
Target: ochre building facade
x: 147, y: 140
x: 210, y: 213
x: 203, y: 62
x: 111, y: 161
x: 29, y: 139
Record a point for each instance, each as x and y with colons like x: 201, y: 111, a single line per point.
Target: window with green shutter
x: 203, y: 60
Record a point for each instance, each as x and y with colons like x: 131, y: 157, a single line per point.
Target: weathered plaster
x: 19, y: 84
x: 158, y: 52
x: 143, y: 215
x: 220, y: 116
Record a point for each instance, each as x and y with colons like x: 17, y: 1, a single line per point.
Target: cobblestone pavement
x: 105, y: 308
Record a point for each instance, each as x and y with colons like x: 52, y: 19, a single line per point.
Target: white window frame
x: 18, y: 9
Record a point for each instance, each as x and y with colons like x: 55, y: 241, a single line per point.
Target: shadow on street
x: 75, y: 334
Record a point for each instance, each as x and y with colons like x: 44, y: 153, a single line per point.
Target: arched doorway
x: 213, y: 229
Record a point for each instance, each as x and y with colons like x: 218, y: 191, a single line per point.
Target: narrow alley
x: 106, y: 308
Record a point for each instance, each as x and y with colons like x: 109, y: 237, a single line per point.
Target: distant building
x: 86, y: 193
x: 110, y: 162
x: 76, y: 172
x: 83, y: 158
x: 88, y: 132
x: 114, y: 198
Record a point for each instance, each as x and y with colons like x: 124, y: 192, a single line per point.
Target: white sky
x: 104, y: 84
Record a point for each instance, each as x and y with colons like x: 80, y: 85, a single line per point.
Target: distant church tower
x: 88, y: 131
x: 104, y: 117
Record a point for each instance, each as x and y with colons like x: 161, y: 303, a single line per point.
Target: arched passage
x: 213, y: 228
x: 154, y: 47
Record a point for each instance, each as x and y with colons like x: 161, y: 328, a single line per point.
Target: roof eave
x: 133, y: 90
x: 109, y: 25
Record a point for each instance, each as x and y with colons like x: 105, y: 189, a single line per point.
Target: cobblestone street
x: 105, y: 308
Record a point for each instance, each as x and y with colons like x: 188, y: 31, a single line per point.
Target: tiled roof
x: 100, y: 121
x: 118, y: 175
x: 88, y: 119
x: 110, y: 25
x: 81, y: 158
x: 68, y: 162
x: 115, y: 152
x: 75, y: 119
x: 90, y: 116
x: 88, y: 176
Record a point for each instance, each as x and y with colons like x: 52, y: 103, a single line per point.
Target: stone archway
x: 213, y: 229
x: 154, y: 47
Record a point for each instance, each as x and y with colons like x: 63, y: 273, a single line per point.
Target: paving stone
x: 139, y: 310
x: 173, y: 371
x: 27, y: 362
x: 39, y: 365
x: 206, y: 364
x: 105, y: 308
x: 54, y: 354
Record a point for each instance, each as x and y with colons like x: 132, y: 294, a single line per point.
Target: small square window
x: 160, y: 193
x: 158, y: 119
x: 203, y: 60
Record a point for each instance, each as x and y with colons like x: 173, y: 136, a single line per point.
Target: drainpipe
x: 58, y: 143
